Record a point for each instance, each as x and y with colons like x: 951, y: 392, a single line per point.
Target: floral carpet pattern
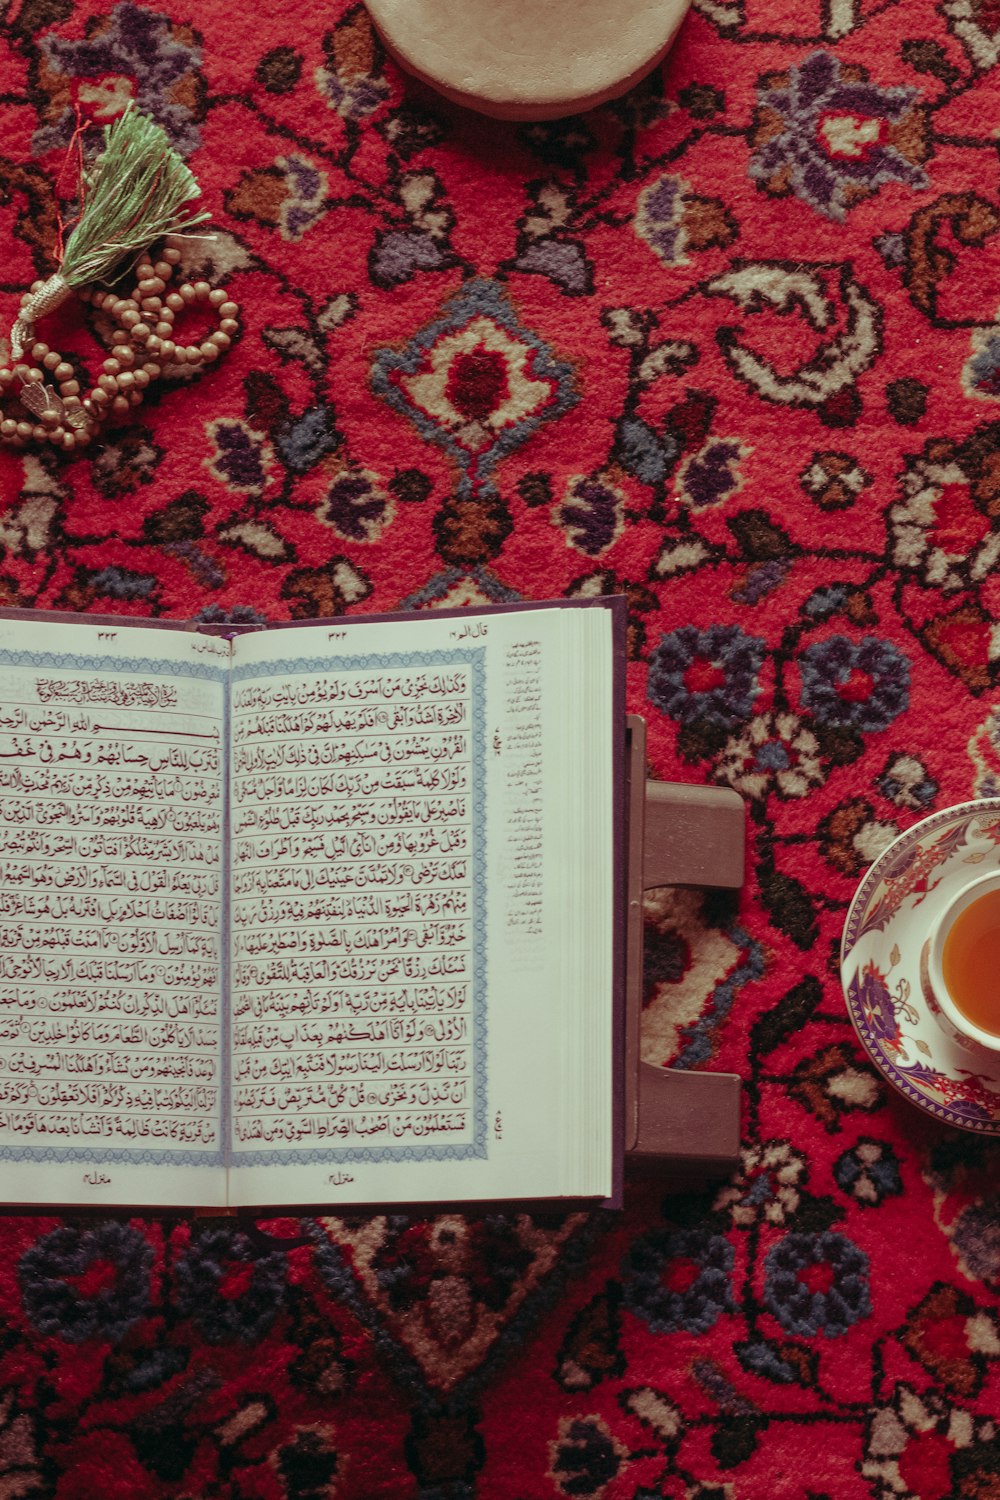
x: 728, y: 346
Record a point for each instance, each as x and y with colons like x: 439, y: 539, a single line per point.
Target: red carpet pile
x: 726, y: 347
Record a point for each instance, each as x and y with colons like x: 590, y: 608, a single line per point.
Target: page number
x: 498, y: 1125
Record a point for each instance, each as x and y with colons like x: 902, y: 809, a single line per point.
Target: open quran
x: 318, y: 914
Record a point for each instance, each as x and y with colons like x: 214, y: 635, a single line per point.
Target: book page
x: 111, y: 910
x: 399, y: 837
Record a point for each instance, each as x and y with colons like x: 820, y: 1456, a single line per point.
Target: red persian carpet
x: 730, y: 349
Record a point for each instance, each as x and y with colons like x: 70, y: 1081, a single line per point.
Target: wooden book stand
x: 690, y: 836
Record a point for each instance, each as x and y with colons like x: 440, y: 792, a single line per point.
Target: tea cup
x: 963, y: 961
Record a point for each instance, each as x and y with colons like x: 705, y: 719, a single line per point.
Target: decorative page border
x: 475, y: 658
x: 115, y: 665
x: 110, y: 666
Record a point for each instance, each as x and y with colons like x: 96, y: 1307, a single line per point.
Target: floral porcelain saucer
x: 883, y: 966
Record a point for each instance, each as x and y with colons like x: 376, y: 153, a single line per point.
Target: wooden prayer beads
x: 144, y: 346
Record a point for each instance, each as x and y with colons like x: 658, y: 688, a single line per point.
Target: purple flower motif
x: 242, y: 457
x: 307, y: 187
x: 592, y: 514
x: 827, y: 134
x: 659, y: 219
x: 713, y: 474
x: 861, y: 685
x: 761, y: 579
x: 562, y: 261
x: 680, y: 1280
x: 352, y: 82
x: 673, y: 221
x: 289, y: 196
x: 353, y: 98
x: 400, y: 254
x: 356, y: 506
x: 131, y: 55
x: 706, y: 675
x: 817, y: 1283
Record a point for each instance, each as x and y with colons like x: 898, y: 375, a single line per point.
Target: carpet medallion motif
x: 728, y: 346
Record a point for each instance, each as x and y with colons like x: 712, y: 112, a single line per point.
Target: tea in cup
x: 963, y: 961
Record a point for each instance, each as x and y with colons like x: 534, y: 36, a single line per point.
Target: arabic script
x: 110, y: 908
x: 352, y: 910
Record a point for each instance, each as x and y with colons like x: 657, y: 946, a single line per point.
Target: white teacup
x: 942, y: 958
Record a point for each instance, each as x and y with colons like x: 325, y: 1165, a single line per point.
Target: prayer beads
x: 41, y: 401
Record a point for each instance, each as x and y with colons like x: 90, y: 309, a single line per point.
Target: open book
x: 313, y: 914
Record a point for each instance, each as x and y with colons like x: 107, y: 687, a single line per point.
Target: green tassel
x: 140, y: 192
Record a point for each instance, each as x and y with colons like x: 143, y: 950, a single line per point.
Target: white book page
x: 111, y: 909
x: 396, y: 935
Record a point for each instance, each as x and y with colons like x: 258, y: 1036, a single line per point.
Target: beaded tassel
x: 140, y: 190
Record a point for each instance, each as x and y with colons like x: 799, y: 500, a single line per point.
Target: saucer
x: 882, y: 956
